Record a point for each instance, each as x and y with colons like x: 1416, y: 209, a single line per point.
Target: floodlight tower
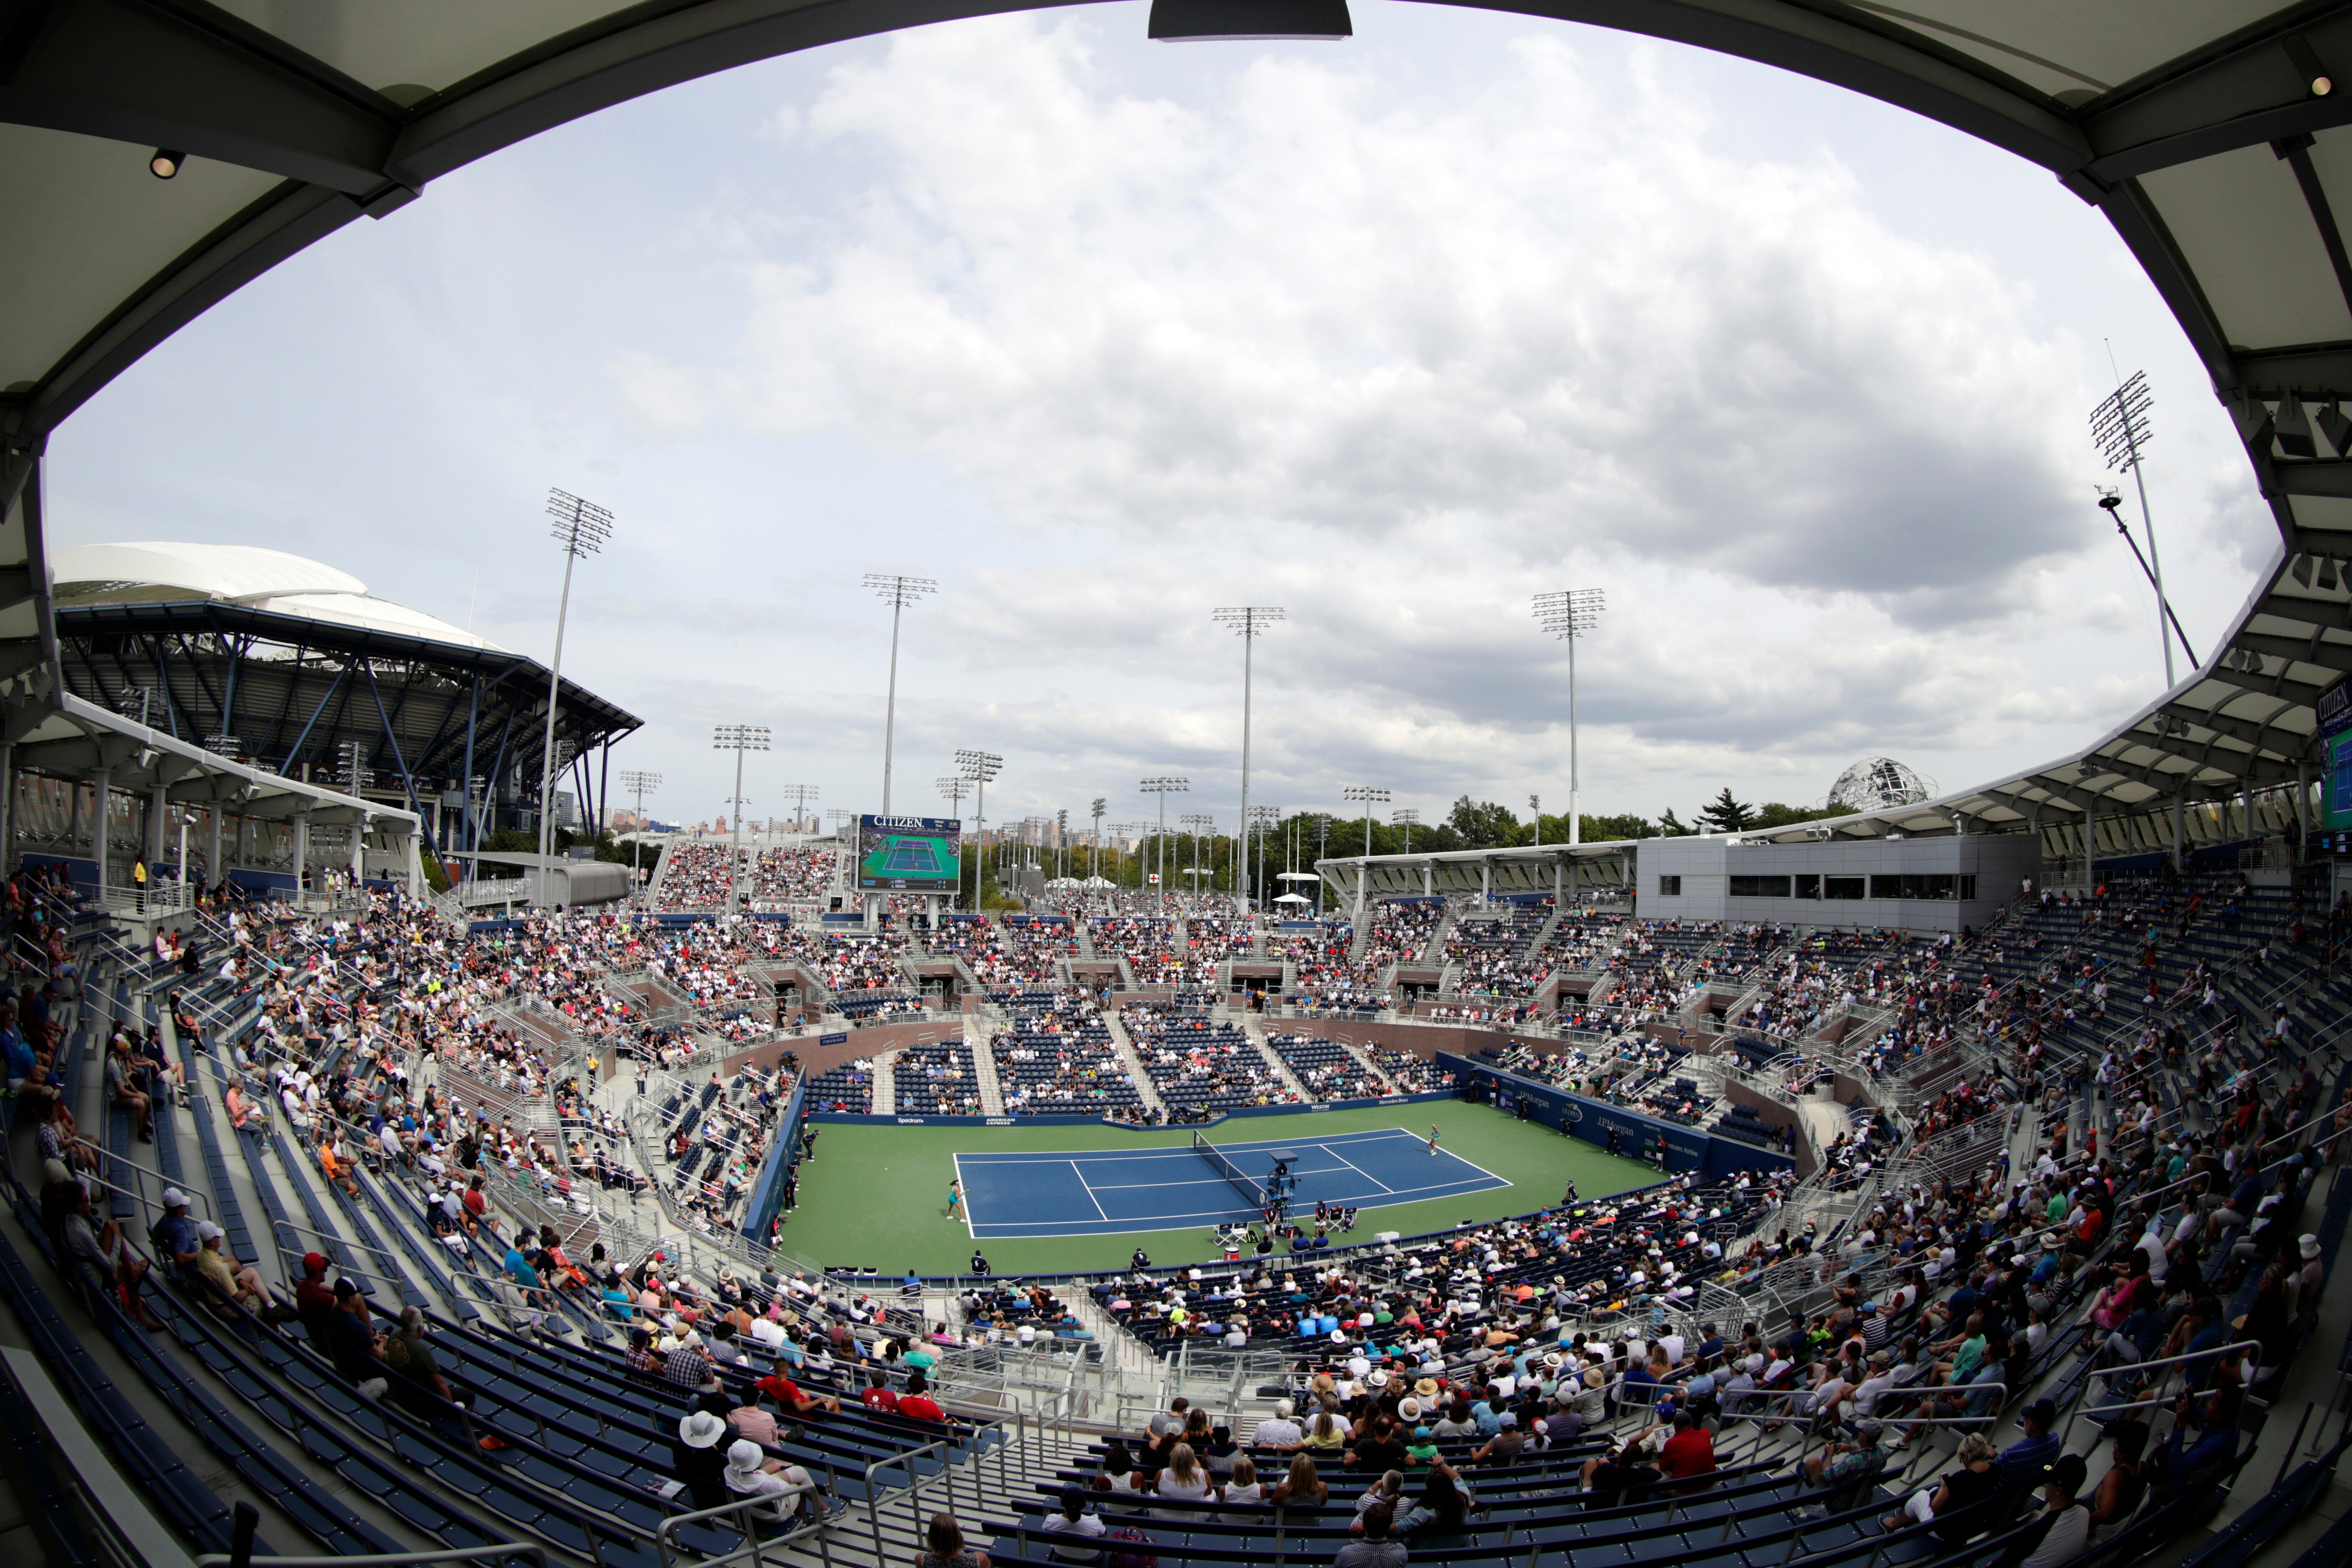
x: 738, y: 739
x: 953, y: 789
x: 897, y: 591
x: 1061, y: 844
x: 1535, y: 816
x: 1248, y: 622
x: 1367, y: 796
x: 1570, y: 614
x: 1096, y: 808
x: 800, y: 795
x: 2120, y: 428
x: 639, y: 784
x: 1261, y: 818
x: 1407, y: 818
x: 580, y: 528
x: 1196, y: 824
x: 979, y: 767
x: 1163, y: 788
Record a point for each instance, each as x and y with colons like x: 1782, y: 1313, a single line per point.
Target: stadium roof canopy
x: 2209, y: 133
x: 286, y: 663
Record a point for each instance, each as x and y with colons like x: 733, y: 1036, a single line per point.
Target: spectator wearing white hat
x: 236, y: 1283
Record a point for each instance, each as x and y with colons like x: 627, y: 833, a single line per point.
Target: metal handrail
x: 1005, y: 1426
x: 492, y: 1553
x: 756, y: 1544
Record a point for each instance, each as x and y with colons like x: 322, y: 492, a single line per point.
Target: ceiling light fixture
x: 2316, y: 80
x: 163, y: 163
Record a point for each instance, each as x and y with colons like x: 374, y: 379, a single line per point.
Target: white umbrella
x: 1293, y: 898
x: 1297, y: 877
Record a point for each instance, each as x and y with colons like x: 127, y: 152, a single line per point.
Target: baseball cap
x: 2044, y: 1410
x: 2067, y: 1472
x: 207, y: 1231
x: 174, y: 1198
x: 314, y: 1263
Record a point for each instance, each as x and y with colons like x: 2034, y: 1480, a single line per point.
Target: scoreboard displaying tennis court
x: 910, y: 854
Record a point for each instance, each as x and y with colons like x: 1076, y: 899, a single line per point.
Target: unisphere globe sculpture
x: 1875, y: 783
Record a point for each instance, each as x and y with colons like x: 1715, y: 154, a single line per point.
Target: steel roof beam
x: 199, y: 82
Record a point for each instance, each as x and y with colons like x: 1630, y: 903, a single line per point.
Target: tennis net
x: 1252, y: 1192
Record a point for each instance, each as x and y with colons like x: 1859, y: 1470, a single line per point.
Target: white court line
x: 1146, y: 1224
x: 966, y: 1204
x: 1178, y: 1151
x: 1087, y: 1188
x: 1361, y: 1170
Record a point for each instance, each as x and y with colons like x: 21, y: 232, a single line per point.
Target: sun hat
x: 741, y: 1454
x: 1426, y: 1388
x: 2310, y: 1244
x: 701, y: 1430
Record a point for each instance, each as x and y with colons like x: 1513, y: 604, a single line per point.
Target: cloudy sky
x: 1103, y: 334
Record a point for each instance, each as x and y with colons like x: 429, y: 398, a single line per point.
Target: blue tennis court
x: 1107, y: 1192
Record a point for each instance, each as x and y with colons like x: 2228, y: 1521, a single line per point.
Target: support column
x: 2179, y: 831
x: 414, y: 861
x: 1559, y: 883
x: 7, y: 807
x: 2302, y: 804
x: 103, y: 788
x: 1485, y: 884
x: 359, y: 850
x: 301, y: 850
x: 1428, y: 880
x: 2246, y: 807
x: 213, y: 869
x: 158, y: 808
x: 1363, y: 877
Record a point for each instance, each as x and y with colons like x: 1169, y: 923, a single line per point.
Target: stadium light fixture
x: 1570, y: 614
x: 897, y: 591
x: 980, y: 767
x: 800, y: 795
x: 2121, y: 431
x: 1407, y: 818
x: 953, y: 789
x: 581, y: 527
x: 1095, y: 855
x: 1248, y: 622
x: 1197, y: 823
x: 639, y: 784
x: 1163, y: 788
x: 738, y: 739
x: 1535, y: 814
x: 1367, y: 796
x: 1261, y: 817
x: 164, y: 164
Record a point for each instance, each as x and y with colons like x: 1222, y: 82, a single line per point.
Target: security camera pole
x: 580, y: 528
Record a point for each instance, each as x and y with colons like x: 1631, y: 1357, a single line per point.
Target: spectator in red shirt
x: 916, y: 1405
x: 778, y: 1386
x: 1689, y: 1452
x: 878, y: 1396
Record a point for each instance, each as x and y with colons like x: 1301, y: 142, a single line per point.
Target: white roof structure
x: 160, y: 573
x: 2209, y: 133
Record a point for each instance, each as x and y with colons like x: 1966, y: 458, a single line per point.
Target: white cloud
x: 1543, y: 315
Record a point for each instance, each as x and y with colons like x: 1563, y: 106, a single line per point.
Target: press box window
x: 1760, y: 886
x: 1941, y: 884
x: 1809, y: 885
x: 1842, y: 887
x: 1670, y: 886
